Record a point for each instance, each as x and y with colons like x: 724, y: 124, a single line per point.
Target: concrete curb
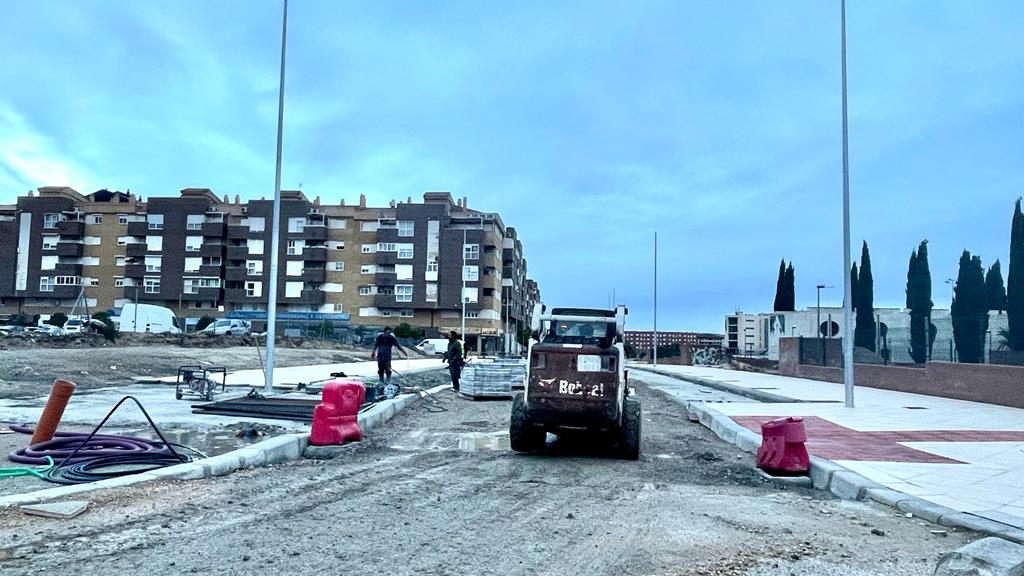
x: 849, y: 485
x: 274, y: 450
x: 759, y: 395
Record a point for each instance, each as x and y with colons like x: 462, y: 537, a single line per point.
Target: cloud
x: 28, y: 157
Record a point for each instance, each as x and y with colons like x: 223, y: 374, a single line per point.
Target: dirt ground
x: 436, y: 492
x: 31, y: 371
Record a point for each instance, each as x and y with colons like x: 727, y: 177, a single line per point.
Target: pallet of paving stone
x: 487, y: 380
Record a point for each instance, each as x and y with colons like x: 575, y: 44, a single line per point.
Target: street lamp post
x: 848, y: 287
x: 655, y: 340
x: 818, y: 325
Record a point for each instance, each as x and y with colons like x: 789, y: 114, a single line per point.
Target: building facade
x: 643, y: 340
x: 200, y: 255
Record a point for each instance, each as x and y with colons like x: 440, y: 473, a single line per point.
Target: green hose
x: 37, y: 472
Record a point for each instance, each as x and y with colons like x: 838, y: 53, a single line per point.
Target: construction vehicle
x: 577, y: 382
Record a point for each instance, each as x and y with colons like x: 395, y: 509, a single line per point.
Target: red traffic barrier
x: 783, y: 447
x: 335, y: 418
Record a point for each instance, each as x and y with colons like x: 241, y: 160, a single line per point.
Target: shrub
x: 58, y: 319
x: 204, y: 322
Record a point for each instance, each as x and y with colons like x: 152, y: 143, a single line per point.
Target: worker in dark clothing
x: 455, y: 357
x: 382, y: 352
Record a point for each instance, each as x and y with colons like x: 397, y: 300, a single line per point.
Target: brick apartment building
x: 643, y: 340
x: 201, y: 255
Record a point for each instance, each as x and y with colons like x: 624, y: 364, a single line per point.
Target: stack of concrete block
x: 492, y: 379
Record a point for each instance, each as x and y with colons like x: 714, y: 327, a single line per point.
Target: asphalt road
x: 435, y: 493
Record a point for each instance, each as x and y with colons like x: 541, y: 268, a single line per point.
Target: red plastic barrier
x: 335, y: 418
x: 783, y: 449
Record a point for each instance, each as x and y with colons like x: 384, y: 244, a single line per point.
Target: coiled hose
x: 90, y: 457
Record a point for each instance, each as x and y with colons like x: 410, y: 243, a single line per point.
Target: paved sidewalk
x: 967, y: 456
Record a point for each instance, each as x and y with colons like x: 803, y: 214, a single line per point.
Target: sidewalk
x: 962, y: 455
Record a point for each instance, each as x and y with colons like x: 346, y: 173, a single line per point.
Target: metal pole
x: 848, y: 299
x: 275, y: 240
x: 462, y: 324
x: 135, y: 324
x: 818, y: 329
x: 655, y: 354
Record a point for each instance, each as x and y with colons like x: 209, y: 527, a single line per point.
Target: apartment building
x: 644, y: 339
x: 200, y: 255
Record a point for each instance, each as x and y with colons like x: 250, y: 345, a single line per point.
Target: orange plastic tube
x: 55, y: 404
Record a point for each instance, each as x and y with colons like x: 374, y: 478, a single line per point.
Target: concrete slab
x: 985, y: 557
x: 59, y: 510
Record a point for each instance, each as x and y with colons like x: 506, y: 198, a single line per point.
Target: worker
x: 455, y: 357
x: 382, y: 352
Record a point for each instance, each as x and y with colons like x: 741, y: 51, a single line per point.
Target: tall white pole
x: 848, y: 289
x: 275, y: 238
x: 655, y: 339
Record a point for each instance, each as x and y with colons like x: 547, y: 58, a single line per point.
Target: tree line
x: 975, y: 293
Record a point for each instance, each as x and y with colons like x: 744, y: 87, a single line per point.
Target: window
x: 45, y: 284
x: 335, y: 245
x: 120, y: 260
x: 255, y: 246
x: 120, y: 283
x: 193, y: 264
x: 193, y: 243
x: 152, y: 285
x: 386, y: 247
x: 256, y: 224
x: 431, y: 271
x: 369, y: 248
x: 93, y: 240
x: 122, y: 219
x: 125, y: 240
x: 369, y: 226
x: 338, y: 308
x: 431, y: 292
x: 296, y: 225
x: 94, y: 219
x: 368, y: 269
x: 403, y: 272
x: 366, y: 290
x: 192, y: 285
x: 50, y: 242
x: 292, y: 289
x: 406, y: 314
x: 403, y: 293
x: 154, y: 243
x: 48, y: 262
x: 470, y: 295
x: 338, y: 266
x: 406, y: 228
x: 295, y: 247
x: 332, y: 287
x: 194, y: 222
x: 211, y: 261
x: 405, y: 251
x: 254, y: 267
x: 153, y: 263
x: 254, y: 289
x: 293, y: 268
x: 156, y: 222
x: 337, y: 223
x: 385, y: 313
x: 471, y: 252
x: 472, y: 314
x: 471, y: 273
x: 50, y: 220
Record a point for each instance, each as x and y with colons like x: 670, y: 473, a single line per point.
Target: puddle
x: 484, y: 441
x: 215, y: 441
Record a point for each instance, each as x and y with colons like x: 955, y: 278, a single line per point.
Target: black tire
x: 632, y: 418
x: 523, y: 437
x: 177, y: 394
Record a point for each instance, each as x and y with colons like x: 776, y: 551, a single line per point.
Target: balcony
x: 65, y: 269
x: 134, y: 270
x: 238, y: 232
x: 74, y: 228
x: 318, y: 233
x: 385, y: 278
x: 237, y: 295
x: 388, y: 301
x: 313, y: 297
x: 387, y: 258
x: 241, y: 253
x: 135, y: 250
x: 63, y: 292
x: 213, y: 229
x: 315, y: 254
x: 203, y: 294
x: 489, y: 281
x: 140, y: 229
x: 211, y: 271
x: 314, y: 275
x: 211, y: 250
x: 70, y: 249
x: 236, y: 274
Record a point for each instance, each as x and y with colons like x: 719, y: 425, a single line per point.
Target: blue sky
x: 587, y: 125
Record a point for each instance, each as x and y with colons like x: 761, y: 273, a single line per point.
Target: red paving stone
x: 834, y: 442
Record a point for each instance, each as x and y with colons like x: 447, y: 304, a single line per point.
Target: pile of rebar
x: 494, y: 379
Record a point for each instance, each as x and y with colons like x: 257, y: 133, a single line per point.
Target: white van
x: 433, y: 346
x: 147, y: 318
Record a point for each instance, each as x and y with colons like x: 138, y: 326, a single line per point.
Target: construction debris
x: 59, y: 510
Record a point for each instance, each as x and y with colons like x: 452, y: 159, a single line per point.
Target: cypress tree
x: 864, y: 332
x: 995, y: 290
x: 790, y: 288
x: 1015, y: 281
x: 853, y: 286
x: 969, y: 310
x: 919, y: 301
x: 780, y: 287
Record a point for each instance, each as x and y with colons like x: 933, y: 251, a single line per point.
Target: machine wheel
x: 629, y: 446
x: 523, y: 437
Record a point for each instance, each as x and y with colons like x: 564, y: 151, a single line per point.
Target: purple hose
x: 64, y: 444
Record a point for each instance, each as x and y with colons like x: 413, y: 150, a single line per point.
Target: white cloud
x: 31, y: 159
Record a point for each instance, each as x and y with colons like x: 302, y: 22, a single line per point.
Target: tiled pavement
x: 966, y: 456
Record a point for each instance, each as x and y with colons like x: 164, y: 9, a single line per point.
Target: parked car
x: 436, y: 346
x: 74, y: 326
x: 226, y: 327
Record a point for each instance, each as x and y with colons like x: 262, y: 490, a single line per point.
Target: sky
x: 588, y: 125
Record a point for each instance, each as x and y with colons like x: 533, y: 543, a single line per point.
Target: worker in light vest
x: 455, y: 357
